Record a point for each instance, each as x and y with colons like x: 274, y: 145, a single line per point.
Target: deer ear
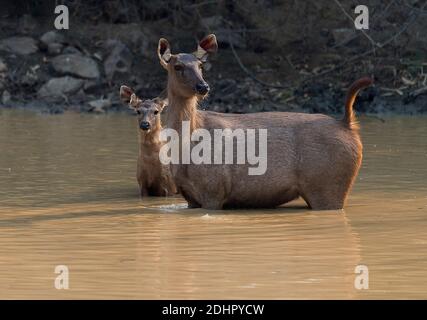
x: 164, y: 52
x: 125, y: 94
x: 133, y: 103
x: 206, y: 46
x: 162, y: 102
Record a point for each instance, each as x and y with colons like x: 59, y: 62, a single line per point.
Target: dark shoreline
x: 34, y: 73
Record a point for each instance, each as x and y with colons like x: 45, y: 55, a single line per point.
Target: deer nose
x: 144, y: 125
x: 202, y: 88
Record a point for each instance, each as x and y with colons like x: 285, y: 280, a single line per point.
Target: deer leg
x: 191, y: 202
x: 193, y: 205
x: 327, y: 199
x: 143, y: 192
x: 213, y: 204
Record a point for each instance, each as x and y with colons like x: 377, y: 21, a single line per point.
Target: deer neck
x: 182, y: 109
x: 149, y: 141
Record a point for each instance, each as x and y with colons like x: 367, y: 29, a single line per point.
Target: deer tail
x: 349, y: 116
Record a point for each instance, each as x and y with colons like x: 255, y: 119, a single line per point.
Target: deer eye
x: 178, y: 67
x: 156, y: 112
x: 138, y: 112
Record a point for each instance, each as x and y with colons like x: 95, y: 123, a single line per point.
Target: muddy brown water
x: 68, y: 196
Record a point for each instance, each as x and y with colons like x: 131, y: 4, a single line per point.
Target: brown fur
x: 310, y: 155
x: 154, y: 178
x: 349, y: 117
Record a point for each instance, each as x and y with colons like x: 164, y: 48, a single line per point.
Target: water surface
x: 68, y: 196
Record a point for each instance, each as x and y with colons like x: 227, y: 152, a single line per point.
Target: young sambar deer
x: 153, y: 177
x: 310, y: 155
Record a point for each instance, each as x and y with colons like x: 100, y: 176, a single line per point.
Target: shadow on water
x: 116, y: 206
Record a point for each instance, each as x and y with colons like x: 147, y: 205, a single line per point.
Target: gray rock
x: 71, y: 50
x: 91, y: 86
x: 119, y: 59
x: 58, y: 88
x: 29, y: 79
x: 76, y: 64
x: 54, y: 48
x: 100, y: 105
x: 19, y: 45
x: 6, y: 97
x: 52, y: 37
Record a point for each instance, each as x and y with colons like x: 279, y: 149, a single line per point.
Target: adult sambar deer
x: 310, y: 155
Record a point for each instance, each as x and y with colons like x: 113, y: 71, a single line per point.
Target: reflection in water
x: 68, y: 196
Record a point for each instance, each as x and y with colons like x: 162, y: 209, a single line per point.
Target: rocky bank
x: 81, y: 69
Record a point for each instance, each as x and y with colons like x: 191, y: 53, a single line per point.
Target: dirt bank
x: 260, y: 65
